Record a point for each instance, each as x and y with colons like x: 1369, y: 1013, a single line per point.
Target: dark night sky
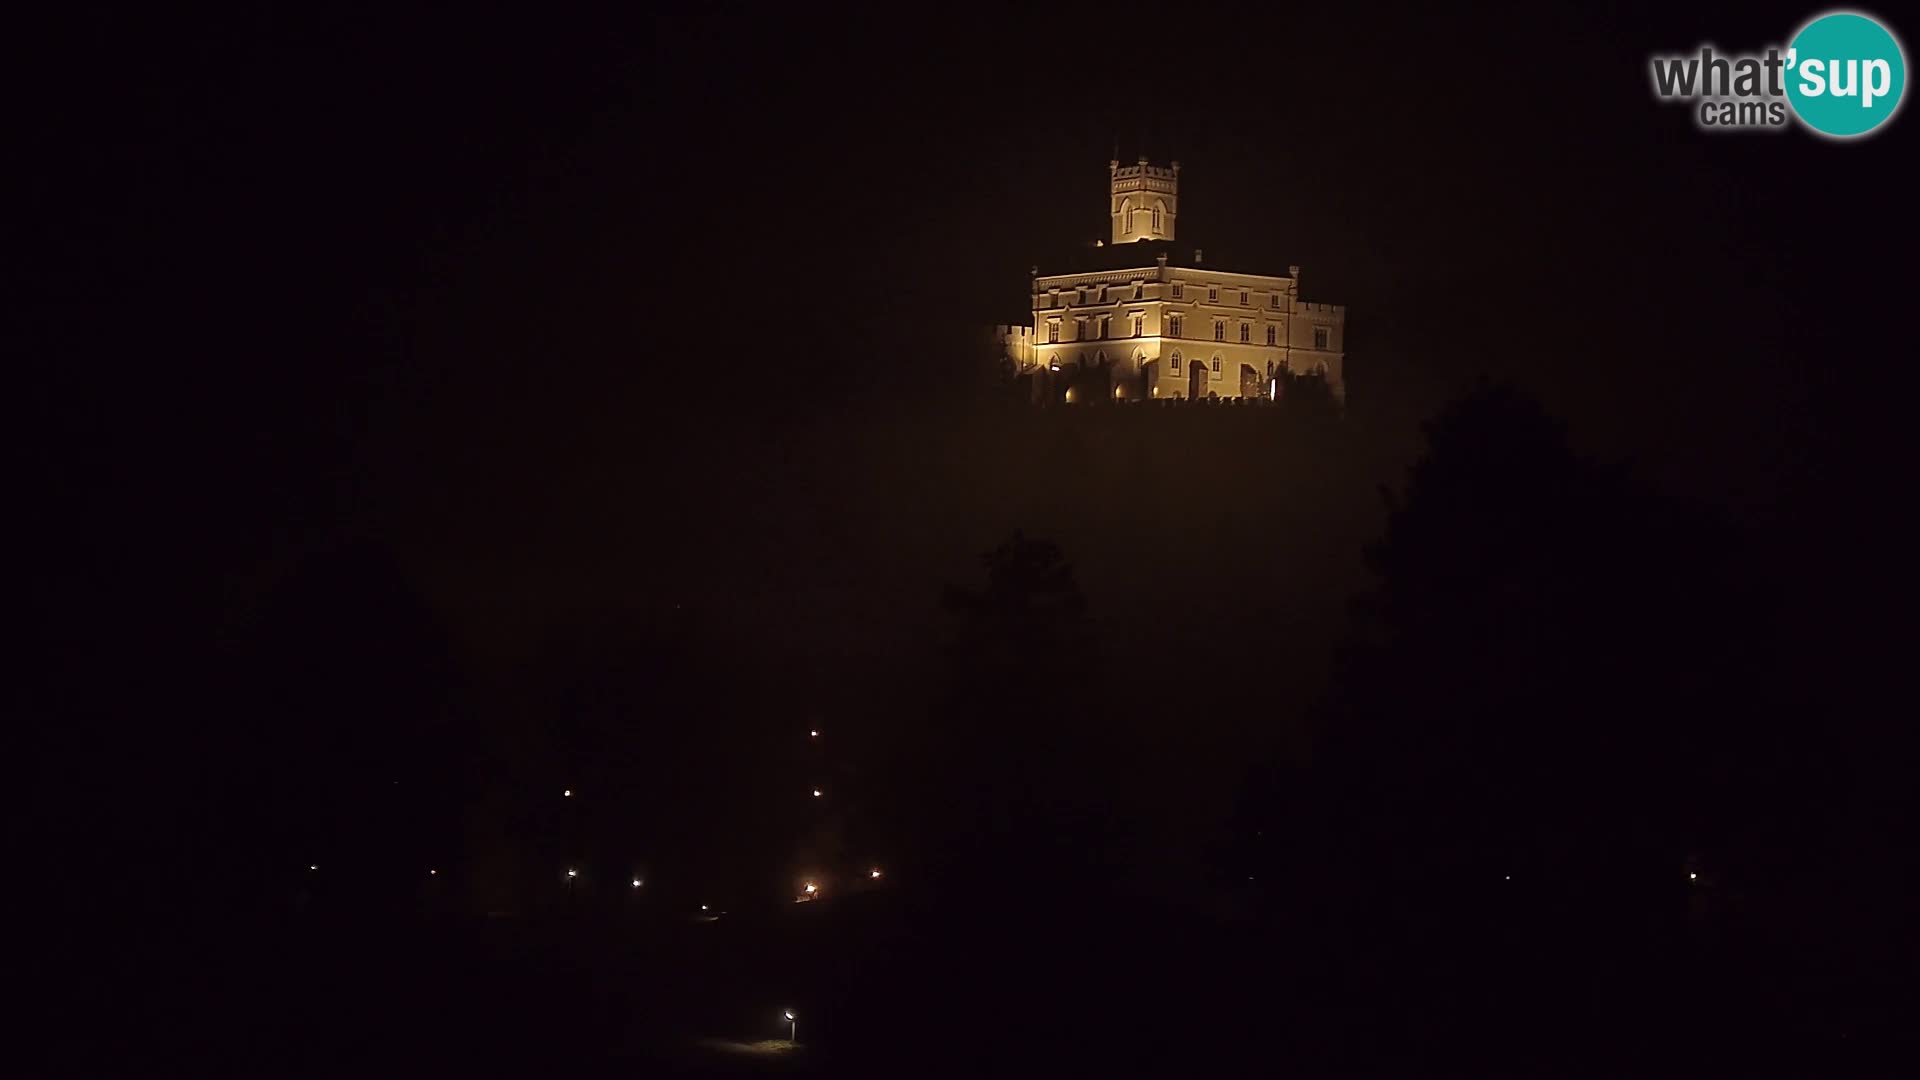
x: 438, y: 283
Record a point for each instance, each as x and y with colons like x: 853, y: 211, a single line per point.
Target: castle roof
x: 1145, y: 253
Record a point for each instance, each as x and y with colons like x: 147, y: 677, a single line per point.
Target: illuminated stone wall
x: 1069, y: 311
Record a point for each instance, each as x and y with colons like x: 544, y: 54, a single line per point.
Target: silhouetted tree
x: 1557, y: 688
x: 1009, y: 781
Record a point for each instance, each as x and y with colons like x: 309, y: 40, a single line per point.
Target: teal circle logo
x: 1845, y: 74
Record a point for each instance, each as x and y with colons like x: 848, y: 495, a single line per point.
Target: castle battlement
x: 1143, y: 170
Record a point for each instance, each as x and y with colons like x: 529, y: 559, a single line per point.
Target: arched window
x: 1157, y: 207
x: 1175, y: 361
x: 1126, y: 215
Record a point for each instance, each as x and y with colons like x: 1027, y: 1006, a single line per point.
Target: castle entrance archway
x: 1249, y: 382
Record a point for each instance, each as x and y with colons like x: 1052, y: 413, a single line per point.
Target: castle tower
x: 1143, y: 201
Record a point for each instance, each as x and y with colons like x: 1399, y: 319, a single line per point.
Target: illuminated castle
x: 1139, y: 321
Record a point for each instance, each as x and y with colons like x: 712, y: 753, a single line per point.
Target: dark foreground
x: 898, y: 985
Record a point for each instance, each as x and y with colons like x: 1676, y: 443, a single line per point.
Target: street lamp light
x: 816, y: 793
x: 566, y: 793
x: 636, y: 883
x: 874, y: 873
x: 793, y: 1032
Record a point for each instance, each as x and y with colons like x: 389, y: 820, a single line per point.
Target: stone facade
x: 1165, y: 327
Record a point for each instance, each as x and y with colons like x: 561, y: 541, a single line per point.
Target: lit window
x: 1246, y: 332
x: 1173, y: 325
x: 1271, y: 333
x: 1321, y: 337
x: 1243, y: 298
x: 1213, y: 294
x: 1219, y: 331
x: 1178, y: 290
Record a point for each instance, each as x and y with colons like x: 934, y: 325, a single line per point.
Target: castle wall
x: 1167, y: 291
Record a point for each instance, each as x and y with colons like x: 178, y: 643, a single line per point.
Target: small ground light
x: 812, y: 888
x: 793, y: 1031
x: 813, y: 734
x: 573, y: 873
x: 816, y: 793
x: 636, y: 883
x: 1691, y: 876
x: 703, y: 907
x: 566, y: 793
x: 431, y: 872
x: 874, y: 873
x: 310, y: 867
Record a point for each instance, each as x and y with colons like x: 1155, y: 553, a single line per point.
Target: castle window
x: 1243, y: 298
x: 1216, y: 365
x: 1156, y: 217
x: 1246, y: 332
x: 1178, y: 290
x: 1080, y: 329
x: 1321, y: 337
x: 1137, y: 321
x: 1219, y: 331
x: 1176, y: 363
x: 1274, y: 301
x: 1137, y: 291
x: 1053, y: 330
x: 1101, y: 296
x: 1126, y: 215
x: 1103, y: 326
x: 1173, y: 325
x: 1213, y: 294
x: 1271, y: 332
